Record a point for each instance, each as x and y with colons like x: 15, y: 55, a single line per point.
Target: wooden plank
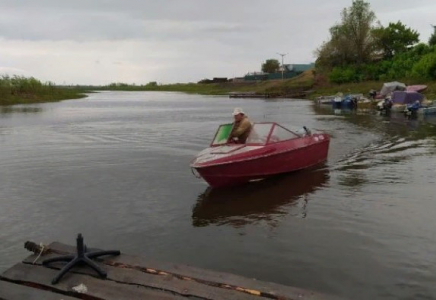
x: 12, y: 291
x: 98, y: 289
x: 212, y: 278
x: 164, y: 282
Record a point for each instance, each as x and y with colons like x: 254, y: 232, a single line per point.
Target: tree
x: 426, y: 67
x: 151, y: 84
x: 394, y: 39
x: 271, y: 66
x: 357, y: 23
x: 351, y: 41
x: 432, y: 40
x: 334, y: 52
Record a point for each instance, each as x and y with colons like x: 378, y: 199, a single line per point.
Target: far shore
x: 303, y: 86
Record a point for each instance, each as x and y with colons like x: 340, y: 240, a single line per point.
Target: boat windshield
x: 259, y: 133
x: 262, y: 133
x: 280, y: 134
x: 222, y: 134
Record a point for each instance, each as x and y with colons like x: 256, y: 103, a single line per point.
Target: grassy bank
x: 277, y: 87
x: 21, y: 90
x: 301, y: 86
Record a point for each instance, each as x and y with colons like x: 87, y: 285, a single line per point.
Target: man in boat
x: 241, y: 127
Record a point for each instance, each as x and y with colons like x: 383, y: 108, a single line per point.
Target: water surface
x: 115, y: 167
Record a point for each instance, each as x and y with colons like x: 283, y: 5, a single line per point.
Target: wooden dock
x: 248, y: 95
x: 293, y: 95
x: 131, y: 277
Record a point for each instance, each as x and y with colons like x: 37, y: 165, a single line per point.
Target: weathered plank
x: 223, y: 281
x: 165, y: 282
x: 12, y: 291
x: 98, y: 289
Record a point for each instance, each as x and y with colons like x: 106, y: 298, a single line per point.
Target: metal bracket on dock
x: 82, y: 257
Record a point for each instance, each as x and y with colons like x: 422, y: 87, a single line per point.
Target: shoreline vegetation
x: 304, y: 86
x: 21, y: 90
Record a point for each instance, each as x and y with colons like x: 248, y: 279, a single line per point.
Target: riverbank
x: 56, y: 95
x: 21, y: 90
x: 289, y: 87
x: 302, y: 86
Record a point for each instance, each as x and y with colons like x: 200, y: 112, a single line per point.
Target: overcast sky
x: 137, y: 41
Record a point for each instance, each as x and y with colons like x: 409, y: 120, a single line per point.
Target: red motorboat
x: 270, y: 149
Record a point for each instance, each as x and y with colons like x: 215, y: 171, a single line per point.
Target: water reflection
x: 398, y: 140
x: 19, y: 109
x: 393, y: 124
x: 266, y: 200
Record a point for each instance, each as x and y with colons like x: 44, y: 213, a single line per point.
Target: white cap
x: 238, y: 111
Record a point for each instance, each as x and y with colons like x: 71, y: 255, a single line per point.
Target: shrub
x: 343, y: 75
x: 425, y: 68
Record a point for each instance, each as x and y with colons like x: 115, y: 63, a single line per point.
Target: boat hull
x: 277, y: 162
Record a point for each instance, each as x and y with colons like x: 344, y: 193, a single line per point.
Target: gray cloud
x: 173, y: 40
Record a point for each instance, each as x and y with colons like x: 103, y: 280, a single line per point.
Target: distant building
x: 238, y: 79
x: 219, y: 79
x: 290, y: 70
x: 214, y: 80
x: 299, y: 68
x: 255, y: 76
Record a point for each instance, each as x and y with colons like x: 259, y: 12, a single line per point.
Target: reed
x: 21, y: 90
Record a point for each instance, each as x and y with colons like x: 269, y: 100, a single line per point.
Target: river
x: 115, y: 167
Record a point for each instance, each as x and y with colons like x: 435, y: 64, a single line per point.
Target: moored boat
x: 270, y: 149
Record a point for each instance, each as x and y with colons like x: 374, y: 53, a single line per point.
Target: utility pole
x: 283, y: 67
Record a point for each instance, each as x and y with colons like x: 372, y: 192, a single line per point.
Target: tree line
x: 360, y: 49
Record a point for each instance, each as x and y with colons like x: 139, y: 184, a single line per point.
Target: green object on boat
x: 223, y: 134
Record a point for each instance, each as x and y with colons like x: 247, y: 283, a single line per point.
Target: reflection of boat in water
x: 261, y: 201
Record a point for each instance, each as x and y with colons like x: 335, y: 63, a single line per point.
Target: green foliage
x: 351, y: 41
x: 341, y: 75
x: 151, y: 84
x: 399, y: 66
x: 357, y: 23
x: 394, y: 39
x: 422, y: 49
x: 425, y: 68
x: 432, y: 40
x: 358, y: 51
x: 17, y: 89
x: 271, y: 66
x: 118, y: 85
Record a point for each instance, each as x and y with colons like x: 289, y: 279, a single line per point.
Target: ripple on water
x: 115, y: 166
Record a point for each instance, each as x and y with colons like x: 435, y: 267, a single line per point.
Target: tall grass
x: 19, y: 90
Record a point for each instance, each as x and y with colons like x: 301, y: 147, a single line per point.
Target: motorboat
x: 270, y: 149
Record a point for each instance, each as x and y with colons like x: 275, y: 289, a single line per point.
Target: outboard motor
x: 411, y: 109
x: 386, y: 106
x: 337, y: 102
x: 372, y: 94
x: 346, y: 102
x: 354, y: 101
